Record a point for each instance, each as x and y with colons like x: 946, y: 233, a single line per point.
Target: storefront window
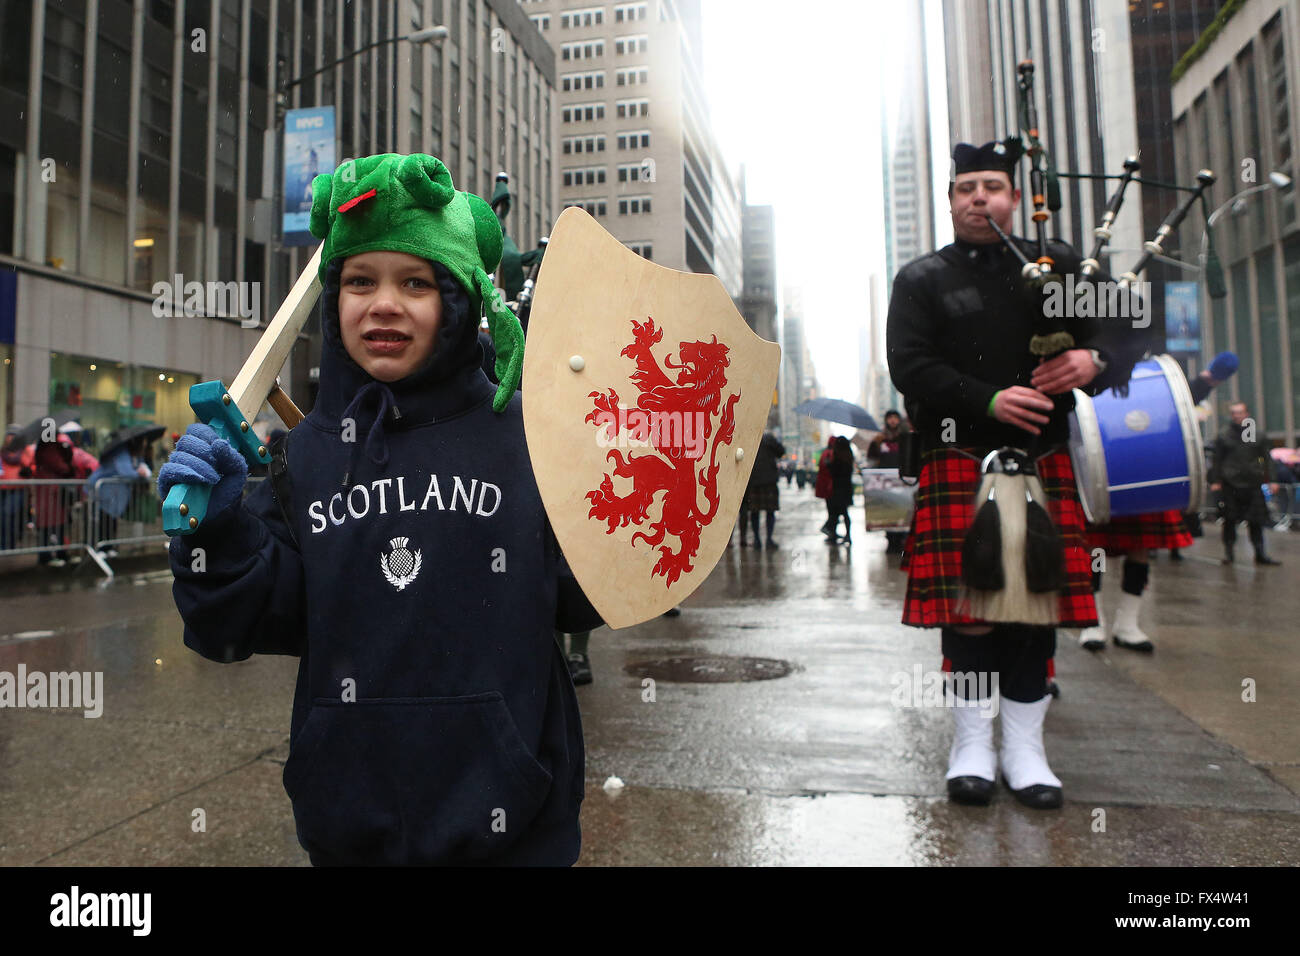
x: 107, y: 395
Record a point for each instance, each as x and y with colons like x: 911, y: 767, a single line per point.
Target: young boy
x: 413, y: 568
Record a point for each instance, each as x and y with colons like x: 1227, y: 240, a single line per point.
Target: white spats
x: 1024, y: 762
x: 972, y: 753
x: 1127, y: 631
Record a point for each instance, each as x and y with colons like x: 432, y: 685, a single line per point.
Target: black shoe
x: 744, y: 543
x: 1175, y: 554
x: 972, y: 791
x: 673, y: 612
x: 1227, y: 558
x: 579, y: 669
x: 1145, y: 647
x: 1265, y: 559
x: 772, y: 545
x: 826, y: 528
x: 1039, y: 796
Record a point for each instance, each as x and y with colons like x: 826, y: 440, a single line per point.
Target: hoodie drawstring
x: 385, y: 401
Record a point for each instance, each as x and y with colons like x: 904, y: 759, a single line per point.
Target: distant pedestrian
x: 761, y: 493
x: 52, y: 504
x: 13, y: 497
x: 841, y: 469
x: 1241, y: 467
x: 822, y: 487
x: 123, y: 461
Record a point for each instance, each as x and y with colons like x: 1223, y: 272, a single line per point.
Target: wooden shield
x: 645, y: 396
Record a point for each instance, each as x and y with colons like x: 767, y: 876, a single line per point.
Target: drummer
x: 959, y: 330
x: 1134, y: 538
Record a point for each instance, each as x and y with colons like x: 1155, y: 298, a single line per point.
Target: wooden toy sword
x: 230, y: 411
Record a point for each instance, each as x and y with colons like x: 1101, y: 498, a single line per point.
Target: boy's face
x: 389, y: 312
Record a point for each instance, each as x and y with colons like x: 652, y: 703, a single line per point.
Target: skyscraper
x: 636, y: 149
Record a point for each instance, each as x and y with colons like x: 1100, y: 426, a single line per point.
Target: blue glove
x: 1223, y: 366
x: 201, y: 458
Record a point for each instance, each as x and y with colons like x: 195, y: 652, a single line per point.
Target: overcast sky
x: 798, y: 99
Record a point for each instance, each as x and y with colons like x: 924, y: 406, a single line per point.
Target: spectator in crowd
x: 1241, y: 468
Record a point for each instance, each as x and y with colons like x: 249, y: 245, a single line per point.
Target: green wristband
x: 993, y: 401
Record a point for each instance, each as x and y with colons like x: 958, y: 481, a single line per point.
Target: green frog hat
x: 396, y: 203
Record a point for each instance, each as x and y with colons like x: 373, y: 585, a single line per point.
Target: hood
x: 450, y: 382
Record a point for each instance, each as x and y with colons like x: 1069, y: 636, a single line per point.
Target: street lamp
x: 438, y: 33
x: 1213, y: 269
x: 1215, y: 285
x: 428, y: 34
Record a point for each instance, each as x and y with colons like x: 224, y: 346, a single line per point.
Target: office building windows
x: 629, y: 12
x: 582, y: 113
x: 583, y: 176
x: 625, y: 45
x: 582, y: 81
x: 624, y: 109
x: 639, y: 139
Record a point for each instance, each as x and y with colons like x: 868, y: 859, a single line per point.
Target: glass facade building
x: 140, y: 144
x: 1235, y: 111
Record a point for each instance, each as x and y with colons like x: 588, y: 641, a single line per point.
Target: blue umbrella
x: 835, y: 410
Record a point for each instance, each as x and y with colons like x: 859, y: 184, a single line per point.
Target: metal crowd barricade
x: 44, y: 516
x: 1283, y: 507
x: 126, y: 517
x: 55, y: 517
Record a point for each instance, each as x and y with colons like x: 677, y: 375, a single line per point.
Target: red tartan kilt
x: 1161, y: 529
x: 945, y: 509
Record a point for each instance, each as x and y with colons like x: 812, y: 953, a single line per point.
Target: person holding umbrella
x: 841, y: 469
x: 842, y: 413
x: 124, y: 455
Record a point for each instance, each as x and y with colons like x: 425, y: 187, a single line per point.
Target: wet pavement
x: 727, y: 761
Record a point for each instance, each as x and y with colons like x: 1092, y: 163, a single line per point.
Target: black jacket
x: 958, y: 332
x: 770, y: 451
x: 434, y: 720
x: 1237, y: 462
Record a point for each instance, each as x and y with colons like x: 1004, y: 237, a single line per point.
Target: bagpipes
x: 1013, y: 557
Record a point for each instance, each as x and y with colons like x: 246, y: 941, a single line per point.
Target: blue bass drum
x: 1140, y: 454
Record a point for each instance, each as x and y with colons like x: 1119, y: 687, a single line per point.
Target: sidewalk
x: 816, y: 767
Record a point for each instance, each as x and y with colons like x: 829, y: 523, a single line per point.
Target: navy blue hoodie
x: 434, y: 720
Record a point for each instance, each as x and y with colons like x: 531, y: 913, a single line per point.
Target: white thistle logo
x: 400, y: 566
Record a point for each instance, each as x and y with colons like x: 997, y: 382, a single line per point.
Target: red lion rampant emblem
x: 676, y: 419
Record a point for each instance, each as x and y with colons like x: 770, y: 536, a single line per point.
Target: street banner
x: 308, y: 151
x: 645, y: 396
x: 1182, y: 317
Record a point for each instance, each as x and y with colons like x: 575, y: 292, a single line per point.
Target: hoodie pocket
x: 415, y: 780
